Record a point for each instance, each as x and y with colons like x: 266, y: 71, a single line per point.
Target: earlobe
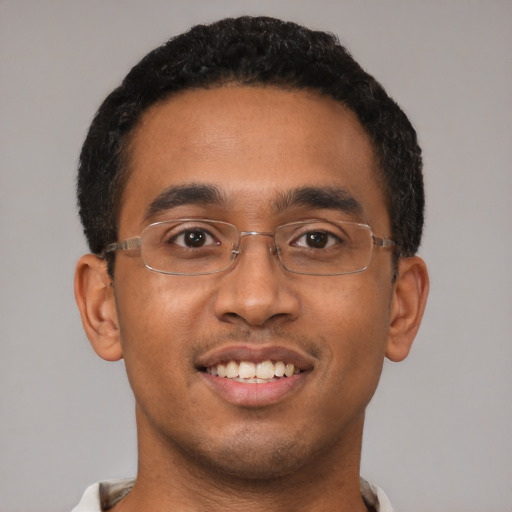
x: 408, y: 304
x: 94, y: 296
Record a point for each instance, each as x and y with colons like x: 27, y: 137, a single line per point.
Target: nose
x: 257, y: 290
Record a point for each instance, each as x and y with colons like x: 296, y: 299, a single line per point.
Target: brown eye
x: 193, y: 239
x: 317, y: 240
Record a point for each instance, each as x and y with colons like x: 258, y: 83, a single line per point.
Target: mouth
x: 249, y: 372
x: 255, y: 376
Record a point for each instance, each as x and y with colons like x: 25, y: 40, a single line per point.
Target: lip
x: 255, y: 395
x: 245, y: 352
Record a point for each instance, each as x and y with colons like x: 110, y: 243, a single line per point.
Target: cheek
x: 157, y: 322
x: 356, y: 306
x: 158, y: 306
x: 354, y: 323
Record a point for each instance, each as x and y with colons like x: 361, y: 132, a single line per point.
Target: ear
x: 410, y: 294
x: 94, y: 294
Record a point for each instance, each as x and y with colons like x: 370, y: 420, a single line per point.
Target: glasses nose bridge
x: 243, y: 234
x: 254, y: 233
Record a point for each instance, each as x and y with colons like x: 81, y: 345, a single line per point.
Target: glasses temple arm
x: 125, y: 245
x: 383, y: 242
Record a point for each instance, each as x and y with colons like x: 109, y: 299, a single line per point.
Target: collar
x: 102, y: 496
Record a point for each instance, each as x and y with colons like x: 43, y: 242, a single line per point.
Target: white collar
x: 103, y: 495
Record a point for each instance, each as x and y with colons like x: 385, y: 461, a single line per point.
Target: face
x: 256, y: 147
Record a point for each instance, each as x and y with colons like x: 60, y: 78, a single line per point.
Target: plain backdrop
x: 439, y: 430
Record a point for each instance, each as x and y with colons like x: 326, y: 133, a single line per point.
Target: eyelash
x: 333, y: 239
x: 173, y: 239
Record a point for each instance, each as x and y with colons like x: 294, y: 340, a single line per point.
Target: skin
x: 203, y: 449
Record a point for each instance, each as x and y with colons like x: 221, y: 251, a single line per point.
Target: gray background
x: 438, y: 434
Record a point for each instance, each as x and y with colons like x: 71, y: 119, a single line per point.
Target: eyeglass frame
x: 133, y: 243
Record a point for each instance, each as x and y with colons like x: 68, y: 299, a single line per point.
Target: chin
x: 253, y: 457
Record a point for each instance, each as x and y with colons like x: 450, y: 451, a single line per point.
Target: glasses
x: 193, y: 247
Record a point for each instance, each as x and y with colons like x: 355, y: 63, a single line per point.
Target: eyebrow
x: 193, y: 193
x: 330, y: 198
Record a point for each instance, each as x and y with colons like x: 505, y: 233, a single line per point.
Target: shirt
x: 104, y: 495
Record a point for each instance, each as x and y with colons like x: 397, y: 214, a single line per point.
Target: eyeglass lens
x: 195, y: 247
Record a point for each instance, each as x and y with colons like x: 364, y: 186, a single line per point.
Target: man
x: 253, y: 201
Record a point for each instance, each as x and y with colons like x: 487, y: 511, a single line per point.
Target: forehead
x: 253, y: 144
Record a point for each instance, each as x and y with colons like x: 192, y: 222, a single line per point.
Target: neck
x: 170, y: 479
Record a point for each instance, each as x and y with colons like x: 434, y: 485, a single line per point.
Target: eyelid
x: 210, y: 239
x: 326, y: 227
x: 333, y: 239
x: 173, y: 237
x: 318, y: 225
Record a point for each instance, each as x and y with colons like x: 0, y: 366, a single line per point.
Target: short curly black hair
x: 249, y: 51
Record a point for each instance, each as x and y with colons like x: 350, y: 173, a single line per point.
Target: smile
x: 250, y: 372
x: 253, y: 375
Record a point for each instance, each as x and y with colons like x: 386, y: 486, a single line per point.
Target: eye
x: 193, y: 239
x: 317, y: 240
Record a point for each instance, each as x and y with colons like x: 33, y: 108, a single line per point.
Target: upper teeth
x: 248, y: 370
